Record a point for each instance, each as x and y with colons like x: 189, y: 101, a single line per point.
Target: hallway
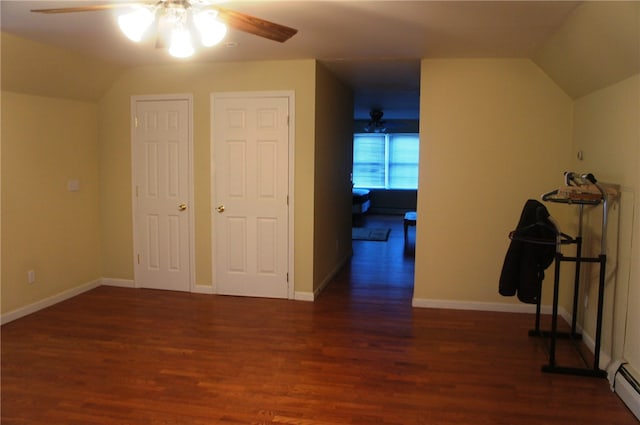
x: 379, y: 272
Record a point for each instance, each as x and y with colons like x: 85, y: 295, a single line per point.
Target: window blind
x: 385, y: 161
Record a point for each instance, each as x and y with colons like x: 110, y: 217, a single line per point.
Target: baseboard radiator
x: 628, y: 389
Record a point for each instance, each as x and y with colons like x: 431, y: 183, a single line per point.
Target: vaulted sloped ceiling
x: 598, y: 45
x: 375, y: 46
x: 35, y: 68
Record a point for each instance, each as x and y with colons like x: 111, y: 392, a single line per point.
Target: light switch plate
x: 73, y: 185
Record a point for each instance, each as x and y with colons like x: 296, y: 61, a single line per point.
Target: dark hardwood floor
x: 358, y: 355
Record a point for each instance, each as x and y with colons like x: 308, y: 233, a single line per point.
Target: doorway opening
x: 385, y: 186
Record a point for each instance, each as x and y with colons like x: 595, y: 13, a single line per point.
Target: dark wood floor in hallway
x: 359, y: 354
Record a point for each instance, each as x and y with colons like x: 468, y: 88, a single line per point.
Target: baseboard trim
x: 202, y: 289
x: 605, y: 358
x: 627, y: 392
x: 479, y: 306
x: 311, y: 296
x: 48, y: 302
x: 303, y: 296
x: 129, y: 283
x: 332, y: 275
x: 121, y: 283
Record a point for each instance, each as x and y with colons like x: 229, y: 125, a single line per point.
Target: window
x: 385, y: 161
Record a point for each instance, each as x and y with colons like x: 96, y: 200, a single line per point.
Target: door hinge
x: 138, y: 258
x: 135, y: 122
x: 288, y: 117
x: 287, y: 199
x: 287, y: 277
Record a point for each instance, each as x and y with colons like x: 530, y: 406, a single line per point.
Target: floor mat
x: 369, y: 234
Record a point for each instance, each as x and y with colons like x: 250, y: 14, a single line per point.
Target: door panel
x: 161, y: 173
x: 250, y: 147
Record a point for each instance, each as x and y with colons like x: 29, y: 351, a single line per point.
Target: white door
x: 250, y: 194
x: 161, y: 185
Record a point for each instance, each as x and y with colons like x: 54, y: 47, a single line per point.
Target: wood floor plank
x: 358, y: 355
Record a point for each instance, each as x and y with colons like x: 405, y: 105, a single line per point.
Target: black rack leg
x: 554, y: 314
x: 552, y: 367
x: 576, y: 287
x: 536, y: 331
x: 596, y: 350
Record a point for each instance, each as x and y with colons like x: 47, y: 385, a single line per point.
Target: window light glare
x: 211, y: 30
x: 135, y: 23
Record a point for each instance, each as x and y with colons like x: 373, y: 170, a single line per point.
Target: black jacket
x: 531, y: 251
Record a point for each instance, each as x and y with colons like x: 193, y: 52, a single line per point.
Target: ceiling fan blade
x: 255, y: 26
x: 88, y: 8
x: 238, y: 20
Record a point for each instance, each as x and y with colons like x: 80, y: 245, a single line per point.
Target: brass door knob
x: 182, y: 207
x: 220, y: 208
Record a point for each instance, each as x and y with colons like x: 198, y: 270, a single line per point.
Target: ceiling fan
x: 176, y: 20
x: 376, y: 125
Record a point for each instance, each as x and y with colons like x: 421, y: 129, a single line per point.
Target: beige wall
x: 493, y: 133
x: 43, y: 70
x: 46, y: 228
x: 607, y: 131
x: 201, y: 80
x: 332, y: 183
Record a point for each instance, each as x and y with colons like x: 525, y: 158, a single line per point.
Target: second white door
x: 250, y: 195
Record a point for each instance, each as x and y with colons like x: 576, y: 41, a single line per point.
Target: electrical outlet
x: 31, y: 276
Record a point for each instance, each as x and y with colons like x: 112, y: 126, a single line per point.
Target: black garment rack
x: 578, y: 259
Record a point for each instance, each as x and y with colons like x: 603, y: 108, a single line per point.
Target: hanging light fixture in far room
x: 175, y: 21
x: 376, y: 125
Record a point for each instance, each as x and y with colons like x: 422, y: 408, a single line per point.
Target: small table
x: 410, y: 218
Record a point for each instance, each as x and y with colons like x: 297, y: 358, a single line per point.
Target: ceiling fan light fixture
x: 136, y: 23
x: 376, y: 125
x: 181, y: 46
x: 175, y: 19
x: 210, y: 29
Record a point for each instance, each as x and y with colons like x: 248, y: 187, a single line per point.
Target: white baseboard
x: 202, y: 289
x: 303, y: 296
x: 311, y: 296
x: 628, y: 394
x: 48, y: 302
x: 479, y: 306
x: 121, y: 283
x: 129, y: 283
x: 605, y: 358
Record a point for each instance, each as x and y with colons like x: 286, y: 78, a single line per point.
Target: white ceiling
x: 375, y: 46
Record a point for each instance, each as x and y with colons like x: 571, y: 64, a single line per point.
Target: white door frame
x: 190, y: 210
x: 291, y: 168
